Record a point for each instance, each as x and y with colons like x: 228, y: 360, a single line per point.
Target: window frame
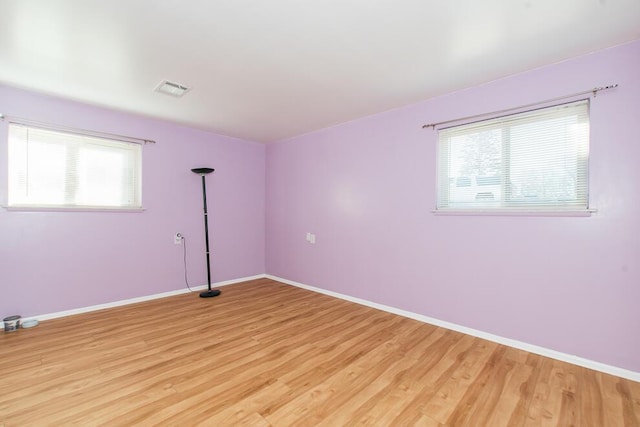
x: 131, y: 151
x: 510, y: 207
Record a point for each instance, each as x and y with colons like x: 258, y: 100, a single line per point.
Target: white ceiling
x: 268, y: 70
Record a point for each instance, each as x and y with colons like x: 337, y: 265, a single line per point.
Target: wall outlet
x: 311, y: 238
x: 177, y: 239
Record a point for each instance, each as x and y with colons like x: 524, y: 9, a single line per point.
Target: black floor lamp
x: 210, y: 292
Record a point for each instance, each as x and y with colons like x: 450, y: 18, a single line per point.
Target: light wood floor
x: 268, y: 354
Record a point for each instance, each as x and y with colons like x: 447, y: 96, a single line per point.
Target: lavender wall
x: 367, y: 188
x: 54, y: 261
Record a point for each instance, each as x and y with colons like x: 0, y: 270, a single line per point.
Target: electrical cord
x: 184, y: 258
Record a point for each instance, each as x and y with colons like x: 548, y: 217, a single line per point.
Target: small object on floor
x: 11, y: 323
x: 29, y: 323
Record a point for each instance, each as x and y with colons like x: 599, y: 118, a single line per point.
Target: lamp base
x: 209, y: 294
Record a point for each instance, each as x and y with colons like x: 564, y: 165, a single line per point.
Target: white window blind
x: 54, y: 169
x: 532, y: 161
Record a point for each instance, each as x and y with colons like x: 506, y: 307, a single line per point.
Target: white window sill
x: 514, y: 212
x: 70, y: 209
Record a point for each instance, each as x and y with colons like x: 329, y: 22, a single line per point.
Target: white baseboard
x: 140, y: 299
x: 575, y: 360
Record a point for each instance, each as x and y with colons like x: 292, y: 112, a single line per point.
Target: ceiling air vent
x: 171, y: 88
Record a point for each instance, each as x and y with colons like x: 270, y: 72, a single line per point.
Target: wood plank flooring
x: 268, y: 354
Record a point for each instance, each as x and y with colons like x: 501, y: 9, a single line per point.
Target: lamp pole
x: 203, y: 172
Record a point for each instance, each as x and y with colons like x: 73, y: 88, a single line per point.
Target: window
x: 55, y: 169
x: 532, y: 161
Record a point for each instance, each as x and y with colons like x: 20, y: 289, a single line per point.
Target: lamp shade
x: 202, y: 171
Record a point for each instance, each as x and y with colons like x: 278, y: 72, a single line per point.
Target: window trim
x: 516, y: 212
x: 26, y: 208
x: 513, y: 210
x: 35, y: 207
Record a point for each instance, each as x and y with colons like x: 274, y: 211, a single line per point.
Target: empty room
x: 326, y: 213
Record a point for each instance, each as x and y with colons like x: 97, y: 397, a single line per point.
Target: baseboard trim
x: 140, y: 299
x: 564, y: 357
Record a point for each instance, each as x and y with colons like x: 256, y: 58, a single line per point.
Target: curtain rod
x: 49, y: 126
x: 593, y: 91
